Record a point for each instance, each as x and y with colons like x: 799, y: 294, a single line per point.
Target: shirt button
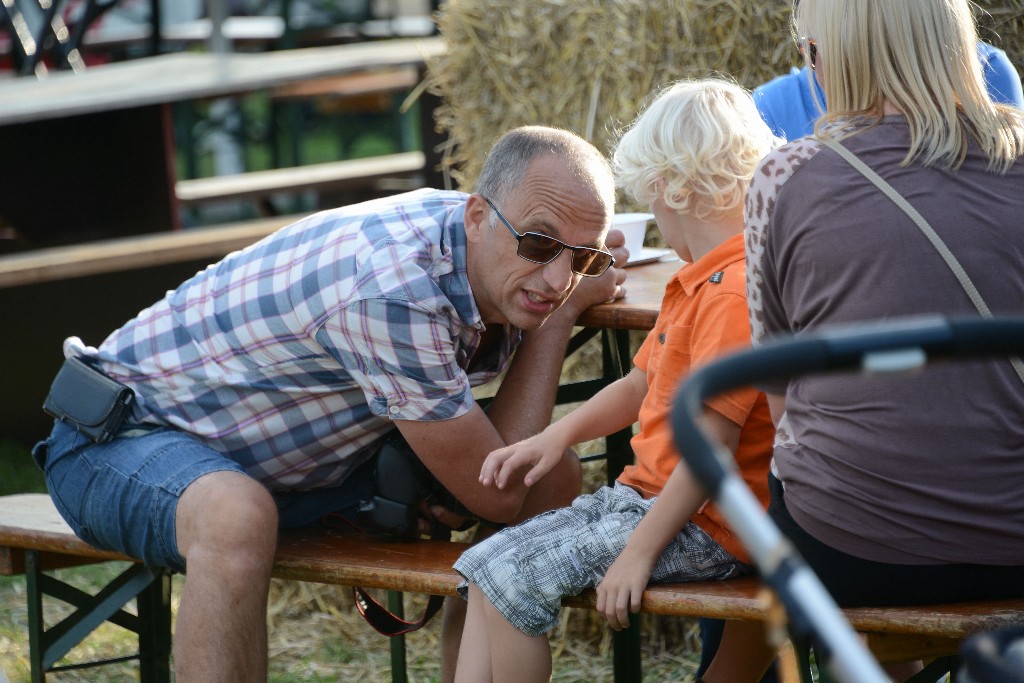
x: 661, y: 338
x: 394, y: 410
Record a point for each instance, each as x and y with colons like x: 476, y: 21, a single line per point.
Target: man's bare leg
x: 227, y: 533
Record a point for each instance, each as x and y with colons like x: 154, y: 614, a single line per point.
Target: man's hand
x: 597, y: 290
x: 432, y: 516
x: 542, y: 451
x: 622, y: 588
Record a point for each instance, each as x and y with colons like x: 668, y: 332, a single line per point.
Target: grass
x: 18, y: 472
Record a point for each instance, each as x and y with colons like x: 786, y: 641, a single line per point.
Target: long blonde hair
x: 920, y: 55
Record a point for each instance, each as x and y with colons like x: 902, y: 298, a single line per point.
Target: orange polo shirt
x: 703, y: 315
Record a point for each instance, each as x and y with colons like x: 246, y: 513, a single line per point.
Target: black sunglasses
x: 538, y: 248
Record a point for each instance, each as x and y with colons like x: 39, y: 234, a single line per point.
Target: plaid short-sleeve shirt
x: 295, y: 353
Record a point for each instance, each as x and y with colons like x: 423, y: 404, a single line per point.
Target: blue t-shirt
x: 787, y: 103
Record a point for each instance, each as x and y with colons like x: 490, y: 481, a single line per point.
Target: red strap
x: 387, y: 623
x: 378, y: 616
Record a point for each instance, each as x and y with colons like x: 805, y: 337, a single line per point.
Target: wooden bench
x: 50, y: 264
x: 33, y: 539
x: 383, y: 81
x: 336, y: 175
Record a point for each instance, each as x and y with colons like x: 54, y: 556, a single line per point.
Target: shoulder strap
x: 961, y: 275
x: 388, y: 623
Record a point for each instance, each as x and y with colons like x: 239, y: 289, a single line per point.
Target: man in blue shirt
x: 787, y: 103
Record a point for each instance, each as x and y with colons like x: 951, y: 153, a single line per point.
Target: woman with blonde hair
x: 902, y: 490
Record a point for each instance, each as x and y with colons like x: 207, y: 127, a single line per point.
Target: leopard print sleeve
x: 773, y: 171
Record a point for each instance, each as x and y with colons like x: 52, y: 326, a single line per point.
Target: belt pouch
x: 88, y: 400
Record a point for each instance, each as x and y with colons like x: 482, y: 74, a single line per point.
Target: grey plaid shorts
x: 526, y: 570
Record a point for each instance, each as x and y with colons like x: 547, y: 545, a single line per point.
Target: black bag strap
x: 387, y: 623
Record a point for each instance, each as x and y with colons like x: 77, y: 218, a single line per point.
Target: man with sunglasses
x: 264, y: 384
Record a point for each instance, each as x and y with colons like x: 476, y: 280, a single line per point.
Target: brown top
x: 918, y: 469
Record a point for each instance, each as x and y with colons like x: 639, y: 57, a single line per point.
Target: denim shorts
x: 526, y: 570
x: 123, y: 495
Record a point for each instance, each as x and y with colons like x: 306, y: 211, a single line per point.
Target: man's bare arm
x: 454, y: 450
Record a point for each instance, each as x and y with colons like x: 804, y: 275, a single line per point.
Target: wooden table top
x: 638, y: 310
x: 190, y: 75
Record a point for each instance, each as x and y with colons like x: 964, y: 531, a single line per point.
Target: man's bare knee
x: 228, y: 514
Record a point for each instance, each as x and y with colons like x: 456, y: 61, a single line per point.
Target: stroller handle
x: 888, y: 346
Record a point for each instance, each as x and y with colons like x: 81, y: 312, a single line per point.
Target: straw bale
x: 588, y: 65
x: 1001, y: 23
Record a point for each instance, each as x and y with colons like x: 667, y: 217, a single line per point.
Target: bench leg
x: 154, y: 606
x: 35, y: 616
x: 626, y: 656
x: 398, y: 670
x: 48, y: 646
x: 937, y: 669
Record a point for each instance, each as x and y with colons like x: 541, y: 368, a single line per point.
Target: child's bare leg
x: 474, y: 657
x: 511, y: 654
x: 515, y: 656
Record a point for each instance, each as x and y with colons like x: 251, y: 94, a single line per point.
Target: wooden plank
x: 142, y: 251
x: 190, y: 75
x: 351, y: 85
x: 331, y: 175
x: 356, y: 559
x: 29, y: 521
x: 638, y: 310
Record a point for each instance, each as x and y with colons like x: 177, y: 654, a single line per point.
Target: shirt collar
x: 693, y: 275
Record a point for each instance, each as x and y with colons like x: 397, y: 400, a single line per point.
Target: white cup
x: 634, y: 227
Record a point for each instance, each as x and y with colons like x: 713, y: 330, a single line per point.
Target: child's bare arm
x: 613, y: 408
x: 620, y: 591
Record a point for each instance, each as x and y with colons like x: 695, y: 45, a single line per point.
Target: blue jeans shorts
x: 123, y: 495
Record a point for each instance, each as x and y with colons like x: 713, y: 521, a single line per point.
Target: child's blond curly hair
x: 702, y: 139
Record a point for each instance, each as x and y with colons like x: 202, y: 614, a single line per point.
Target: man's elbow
x: 498, y: 506
x: 558, y: 488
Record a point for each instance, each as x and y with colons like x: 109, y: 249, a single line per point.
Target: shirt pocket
x: 670, y: 362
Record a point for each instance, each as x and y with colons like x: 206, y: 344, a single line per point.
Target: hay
x: 589, y: 65
x: 1001, y: 23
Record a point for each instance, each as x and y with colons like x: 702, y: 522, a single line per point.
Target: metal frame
x: 151, y: 588
x: 870, y: 347
x: 52, y: 36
